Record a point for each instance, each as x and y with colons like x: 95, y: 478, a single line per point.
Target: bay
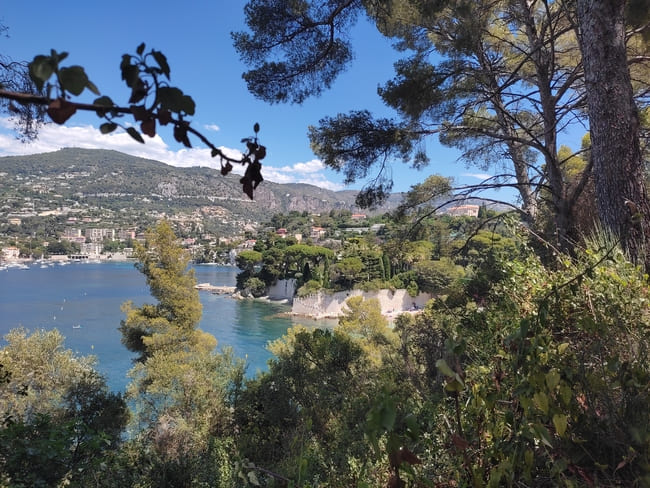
x: 82, y: 300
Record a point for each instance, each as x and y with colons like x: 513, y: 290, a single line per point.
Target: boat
x: 76, y: 326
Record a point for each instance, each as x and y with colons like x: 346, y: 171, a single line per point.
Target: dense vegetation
x: 517, y: 374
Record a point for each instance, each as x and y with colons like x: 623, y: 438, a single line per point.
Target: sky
x: 195, y: 37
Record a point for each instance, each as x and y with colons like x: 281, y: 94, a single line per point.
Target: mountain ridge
x: 117, y: 181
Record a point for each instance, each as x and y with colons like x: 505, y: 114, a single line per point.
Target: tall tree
x: 165, y: 265
x: 619, y: 169
x: 498, y: 80
x: 180, y: 384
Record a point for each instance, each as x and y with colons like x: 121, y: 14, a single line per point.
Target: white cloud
x: 53, y: 137
x: 212, y: 127
x: 479, y: 176
x: 310, y: 172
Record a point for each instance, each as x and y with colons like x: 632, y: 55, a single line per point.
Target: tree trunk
x: 621, y: 195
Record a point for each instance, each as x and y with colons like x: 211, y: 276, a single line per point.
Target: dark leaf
x: 459, y: 442
x: 180, y: 134
x: 140, y: 49
x: 225, y: 169
x: 187, y: 105
x: 254, y: 173
x: 60, y: 110
x: 130, y: 72
x: 92, y: 87
x: 103, y: 102
x: 407, y: 456
x: 256, y: 128
x: 40, y: 70
x: 260, y: 153
x: 138, y: 92
x: 170, y: 98
x: 247, y: 186
x: 148, y: 127
x: 107, y: 127
x: 58, y: 57
x: 133, y: 132
x: 139, y: 112
x: 164, y: 117
x: 73, y: 79
x: 161, y: 59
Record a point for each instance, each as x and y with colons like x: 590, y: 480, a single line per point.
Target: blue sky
x: 195, y: 37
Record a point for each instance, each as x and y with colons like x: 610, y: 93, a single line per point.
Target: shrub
x: 309, y: 288
x: 255, y: 287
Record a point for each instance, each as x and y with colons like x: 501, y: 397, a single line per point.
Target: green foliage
x: 62, y: 247
x: 303, y: 419
x: 165, y: 266
x: 180, y: 386
x: 436, y: 276
x: 310, y: 58
x: 58, y: 417
x: 248, y: 259
x: 255, y: 286
x: 549, y: 381
x: 309, y: 288
x: 412, y: 288
x: 346, y: 272
x: 363, y: 322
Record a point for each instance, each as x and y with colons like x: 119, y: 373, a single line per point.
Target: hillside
x: 117, y: 182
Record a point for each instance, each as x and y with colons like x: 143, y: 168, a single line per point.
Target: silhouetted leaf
x: 107, y: 127
x: 164, y: 117
x: 247, y: 186
x: 148, y: 127
x: 225, y: 169
x: 139, y: 112
x: 180, y: 134
x: 92, y: 87
x: 130, y: 72
x: 73, y: 79
x: 254, y: 173
x: 260, y: 153
x: 40, y: 70
x: 138, y: 92
x: 161, y: 59
x: 60, y: 110
x: 133, y: 132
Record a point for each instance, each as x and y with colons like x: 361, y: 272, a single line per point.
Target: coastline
x: 331, y: 306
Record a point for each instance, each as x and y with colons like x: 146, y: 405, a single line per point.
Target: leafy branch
x: 153, y: 102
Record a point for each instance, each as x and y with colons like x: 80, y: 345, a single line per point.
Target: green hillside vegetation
x: 129, y: 190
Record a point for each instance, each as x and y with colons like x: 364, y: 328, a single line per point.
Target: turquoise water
x: 89, y: 295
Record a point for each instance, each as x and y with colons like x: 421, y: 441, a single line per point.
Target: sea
x: 82, y: 300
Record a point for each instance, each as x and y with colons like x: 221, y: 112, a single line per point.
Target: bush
x: 373, y: 285
x: 309, y: 288
x: 412, y: 288
x: 550, y: 380
x: 255, y: 287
